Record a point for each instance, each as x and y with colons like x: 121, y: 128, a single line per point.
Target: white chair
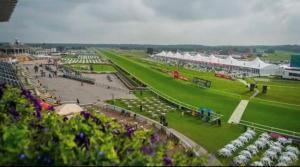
x: 292, y: 155
x: 266, y: 161
x: 257, y: 163
x: 241, y: 159
x: 243, y: 139
x: 237, y: 143
x: 277, y: 144
x: 246, y: 153
x: 282, y: 140
x: 230, y: 147
x: 292, y: 149
x: 265, y: 135
x: 282, y: 164
x: 275, y: 149
x: 260, y: 144
x: 250, y: 131
x: 253, y: 149
x: 271, y: 154
x: 249, y: 136
x: 225, y: 152
x: 285, y: 159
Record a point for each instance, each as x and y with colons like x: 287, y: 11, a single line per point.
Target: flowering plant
x: 31, y: 135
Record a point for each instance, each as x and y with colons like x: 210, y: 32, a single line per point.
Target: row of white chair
x: 228, y: 150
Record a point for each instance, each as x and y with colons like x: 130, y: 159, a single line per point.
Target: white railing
x: 266, y: 128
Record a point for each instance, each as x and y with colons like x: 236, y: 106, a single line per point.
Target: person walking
x: 78, y: 102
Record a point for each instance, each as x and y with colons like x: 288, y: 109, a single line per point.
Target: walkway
x: 238, y: 112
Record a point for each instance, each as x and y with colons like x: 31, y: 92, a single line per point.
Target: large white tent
x: 255, y: 66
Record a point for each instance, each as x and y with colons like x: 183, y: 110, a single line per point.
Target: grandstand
x: 8, y: 75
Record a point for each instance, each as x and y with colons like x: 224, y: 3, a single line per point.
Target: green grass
x: 220, y: 102
x: 278, y: 56
x: 273, y: 114
x: 218, y: 84
x: 97, y: 67
x: 286, y: 91
x: 222, y: 98
x: 201, y: 132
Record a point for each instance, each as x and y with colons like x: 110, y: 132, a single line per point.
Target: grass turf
x: 194, y: 128
x: 267, y: 113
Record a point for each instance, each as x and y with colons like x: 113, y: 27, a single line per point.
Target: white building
x: 255, y: 67
x: 290, y: 72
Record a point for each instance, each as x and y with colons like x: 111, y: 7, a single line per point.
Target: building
x: 43, y: 51
x: 6, y: 9
x: 292, y: 71
x: 255, y: 67
x: 15, y: 49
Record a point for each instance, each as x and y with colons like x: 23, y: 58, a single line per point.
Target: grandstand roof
x: 256, y: 63
x: 6, y: 9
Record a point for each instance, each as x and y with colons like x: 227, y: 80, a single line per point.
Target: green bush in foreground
x: 33, y: 136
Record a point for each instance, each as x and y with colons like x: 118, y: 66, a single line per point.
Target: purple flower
x: 81, y: 135
x: 167, y: 161
x: 51, y: 108
x: 13, y: 112
x: 86, y: 115
x: 154, y: 138
x: 147, y: 150
x: 100, y: 153
x: 22, y: 157
x: 130, y: 131
x: 96, y: 120
x: 87, y: 142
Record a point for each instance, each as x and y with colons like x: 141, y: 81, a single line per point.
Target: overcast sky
x: 207, y: 22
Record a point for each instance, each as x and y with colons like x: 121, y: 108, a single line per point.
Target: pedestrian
x: 81, y: 83
x: 78, y: 102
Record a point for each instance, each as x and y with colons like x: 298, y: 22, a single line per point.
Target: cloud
x: 213, y: 22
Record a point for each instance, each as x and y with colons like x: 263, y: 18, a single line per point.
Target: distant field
x: 97, y: 67
x: 278, y: 56
x: 286, y: 91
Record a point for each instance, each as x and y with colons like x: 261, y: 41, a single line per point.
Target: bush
x: 30, y: 135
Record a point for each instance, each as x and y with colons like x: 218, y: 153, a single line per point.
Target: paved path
x: 238, y: 112
x: 243, y: 82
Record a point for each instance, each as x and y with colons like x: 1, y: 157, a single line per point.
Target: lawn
x: 278, y: 56
x: 273, y: 114
x: 285, y: 91
x: 221, y: 101
x: 194, y: 128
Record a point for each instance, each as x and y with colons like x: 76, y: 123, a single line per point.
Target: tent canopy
x: 256, y: 63
x: 68, y: 109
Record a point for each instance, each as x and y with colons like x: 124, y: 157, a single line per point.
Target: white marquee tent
x: 262, y: 68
